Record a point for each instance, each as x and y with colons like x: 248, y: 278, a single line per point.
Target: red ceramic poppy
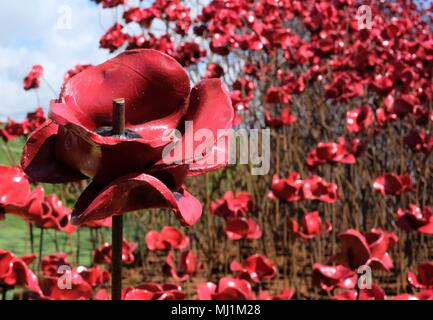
x: 129, y: 172
x: 79, y: 290
x: 392, y: 184
x: 95, y: 276
x: 415, y: 218
x: 329, y: 153
x: 359, y: 119
x: 311, y: 225
x: 316, y: 188
x: 95, y: 224
x: 233, y: 206
x: 14, y: 187
x: 50, y: 264
x: 375, y: 293
x: 75, y: 70
x: 103, y: 254
x: 14, y: 271
x: 419, y: 141
x: 289, y: 189
x: 424, y: 279
x: 330, y: 277
x: 242, y: 228
x: 422, y: 295
x: 111, y: 3
x: 152, y: 291
x: 370, y: 249
x: 255, y: 268
x: 168, y: 238
x: 285, y: 118
x: 227, y: 289
x: 13, y: 130
x: 214, y: 70
x: 33, y: 78
x: 186, y: 267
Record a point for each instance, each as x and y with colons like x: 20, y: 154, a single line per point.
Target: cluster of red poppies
x: 13, y: 129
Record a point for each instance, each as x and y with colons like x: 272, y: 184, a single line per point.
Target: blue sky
x: 30, y: 34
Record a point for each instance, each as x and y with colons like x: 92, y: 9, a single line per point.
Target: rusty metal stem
x: 117, y: 221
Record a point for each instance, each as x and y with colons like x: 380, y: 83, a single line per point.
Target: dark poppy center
x: 108, y: 132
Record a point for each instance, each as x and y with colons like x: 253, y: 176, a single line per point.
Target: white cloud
x: 31, y: 36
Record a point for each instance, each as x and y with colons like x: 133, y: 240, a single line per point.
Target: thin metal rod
x: 117, y: 221
x: 118, y: 116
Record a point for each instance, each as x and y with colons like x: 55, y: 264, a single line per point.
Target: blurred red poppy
x: 285, y: 118
x: 242, y: 228
x: 289, y: 189
x: 103, y: 254
x: 415, y: 218
x: 186, y: 267
x: 50, y: 264
x: 311, y: 225
x: 152, y: 291
x: 370, y: 249
x: 424, y: 279
x: 285, y: 294
x: 330, y: 153
x: 15, y: 272
x: 419, y: 141
x: 392, y: 184
x: 168, y: 238
x: 33, y: 78
x: 227, y: 289
x: 231, y: 206
x: 73, y: 287
x: 255, y: 268
x: 359, y: 119
x: 330, y: 277
x: 375, y: 293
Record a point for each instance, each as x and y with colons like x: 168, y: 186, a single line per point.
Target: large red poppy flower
x: 227, y: 289
x: 311, y: 225
x: 392, y: 184
x: 33, y: 78
x: 255, y: 268
x: 424, y: 279
x: 129, y: 172
x: 14, y: 271
x: 186, y: 267
x: 168, y: 238
x: 369, y: 249
x: 331, y: 277
x: 242, y: 228
x: 233, y: 206
x: 415, y: 218
x: 104, y: 254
